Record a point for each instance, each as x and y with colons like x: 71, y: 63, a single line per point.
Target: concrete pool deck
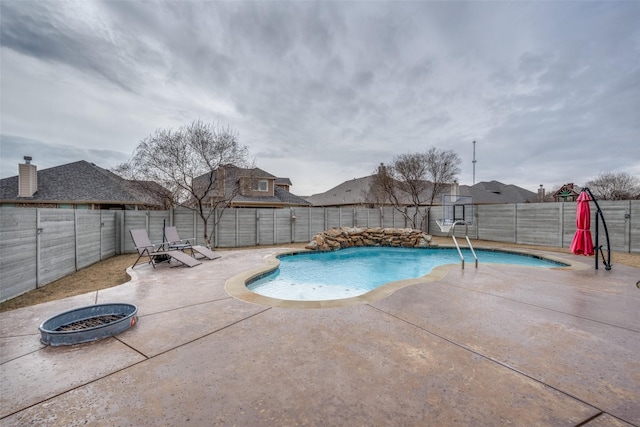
x: 493, y: 346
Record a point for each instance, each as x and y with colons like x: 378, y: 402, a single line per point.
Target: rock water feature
x: 346, y: 237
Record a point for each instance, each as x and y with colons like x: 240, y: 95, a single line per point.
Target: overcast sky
x: 322, y: 92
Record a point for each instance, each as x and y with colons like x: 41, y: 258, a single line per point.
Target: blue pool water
x: 319, y: 276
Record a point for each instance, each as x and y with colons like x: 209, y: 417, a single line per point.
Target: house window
x: 260, y: 185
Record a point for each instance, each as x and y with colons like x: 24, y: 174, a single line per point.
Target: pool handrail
x: 466, y: 236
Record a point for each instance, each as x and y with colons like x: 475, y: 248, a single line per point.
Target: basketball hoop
x: 444, y: 224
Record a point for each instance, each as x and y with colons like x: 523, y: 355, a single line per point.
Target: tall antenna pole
x: 474, y: 163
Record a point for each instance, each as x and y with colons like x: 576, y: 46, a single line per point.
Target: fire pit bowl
x: 90, y: 323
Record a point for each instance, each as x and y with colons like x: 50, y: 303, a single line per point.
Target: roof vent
x: 27, y: 178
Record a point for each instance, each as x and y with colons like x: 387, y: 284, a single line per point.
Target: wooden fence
x: 38, y: 246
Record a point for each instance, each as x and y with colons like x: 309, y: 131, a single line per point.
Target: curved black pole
x: 598, y: 247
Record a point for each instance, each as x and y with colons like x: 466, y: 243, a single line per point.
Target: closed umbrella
x: 582, y: 243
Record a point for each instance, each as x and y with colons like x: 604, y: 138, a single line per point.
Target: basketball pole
x: 474, y: 163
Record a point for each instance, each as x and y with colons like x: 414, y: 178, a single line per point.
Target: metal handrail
x: 466, y: 236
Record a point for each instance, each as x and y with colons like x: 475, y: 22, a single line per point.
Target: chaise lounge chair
x: 146, y: 248
x: 175, y: 242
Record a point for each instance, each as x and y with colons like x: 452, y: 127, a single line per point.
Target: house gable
x: 253, y: 187
x: 567, y: 193
x: 80, y: 185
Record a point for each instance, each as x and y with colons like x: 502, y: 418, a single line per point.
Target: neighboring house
x: 495, y: 192
x: 252, y: 187
x: 567, y: 193
x: 355, y: 192
x: 350, y: 193
x: 78, y: 185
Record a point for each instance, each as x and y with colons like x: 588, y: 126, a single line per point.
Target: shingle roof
x: 283, y: 181
x: 497, y: 192
x: 353, y: 192
x: 78, y: 182
x: 348, y: 193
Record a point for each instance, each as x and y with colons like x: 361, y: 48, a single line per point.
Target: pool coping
x: 236, y: 286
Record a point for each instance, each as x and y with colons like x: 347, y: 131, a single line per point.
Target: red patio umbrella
x: 582, y: 243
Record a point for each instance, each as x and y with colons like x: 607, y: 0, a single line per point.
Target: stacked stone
x: 346, y: 237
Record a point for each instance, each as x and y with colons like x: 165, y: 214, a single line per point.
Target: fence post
x: 561, y: 214
x: 515, y: 223
x: 309, y: 213
x: 75, y: 239
x: 293, y: 225
x: 275, y: 226
x: 326, y: 221
x: 38, y: 247
x: 237, y: 227
x: 627, y: 226
x: 257, y: 227
x: 195, y: 228
x: 101, y: 226
x: 476, y: 218
x: 122, y: 228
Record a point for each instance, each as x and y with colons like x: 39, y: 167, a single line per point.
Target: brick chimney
x: 455, y: 190
x: 541, y: 193
x: 27, y: 178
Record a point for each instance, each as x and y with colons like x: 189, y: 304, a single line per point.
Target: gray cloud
x: 14, y: 148
x: 550, y: 90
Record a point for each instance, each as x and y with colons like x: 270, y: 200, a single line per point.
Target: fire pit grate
x: 89, y: 323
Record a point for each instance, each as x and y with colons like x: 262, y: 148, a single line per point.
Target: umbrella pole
x: 598, y: 247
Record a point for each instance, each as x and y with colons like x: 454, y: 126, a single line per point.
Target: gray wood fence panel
x: 368, y: 217
x: 108, y: 234
x: 57, y: 244
x: 569, y: 223
x: 634, y: 226
x: 227, y: 229
x: 334, y: 217
x: 388, y: 217
x: 157, y: 220
x: 539, y: 224
x: 496, y: 222
x: 88, y: 237
x: 200, y: 230
x: 266, y: 226
x: 302, y: 225
x: 347, y: 217
x: 17, y: 251
x: 133, y: 220
x: 119, y: 232
x: 183, y: 220
x: 361, y: 217
x: 247, y: 226
x: 284, y: 226
x: 614, y: 215
x: 317, y: 220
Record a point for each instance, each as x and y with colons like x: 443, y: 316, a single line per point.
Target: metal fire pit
x: 90, y: 323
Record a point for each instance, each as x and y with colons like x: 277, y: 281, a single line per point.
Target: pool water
x: 319, y: 276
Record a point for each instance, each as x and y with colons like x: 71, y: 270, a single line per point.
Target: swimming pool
x: 348, y: 273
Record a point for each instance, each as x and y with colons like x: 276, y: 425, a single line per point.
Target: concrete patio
x: 494, y: 346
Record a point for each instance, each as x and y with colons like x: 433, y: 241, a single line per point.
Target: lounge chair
x: 157, y: 253
x: 176, y: 243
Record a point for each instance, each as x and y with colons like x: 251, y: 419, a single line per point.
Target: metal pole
x: 474, y: 163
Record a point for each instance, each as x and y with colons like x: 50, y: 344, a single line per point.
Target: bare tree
x: 416, y: 180
x: 615, y: 186
x: 189, y: 162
